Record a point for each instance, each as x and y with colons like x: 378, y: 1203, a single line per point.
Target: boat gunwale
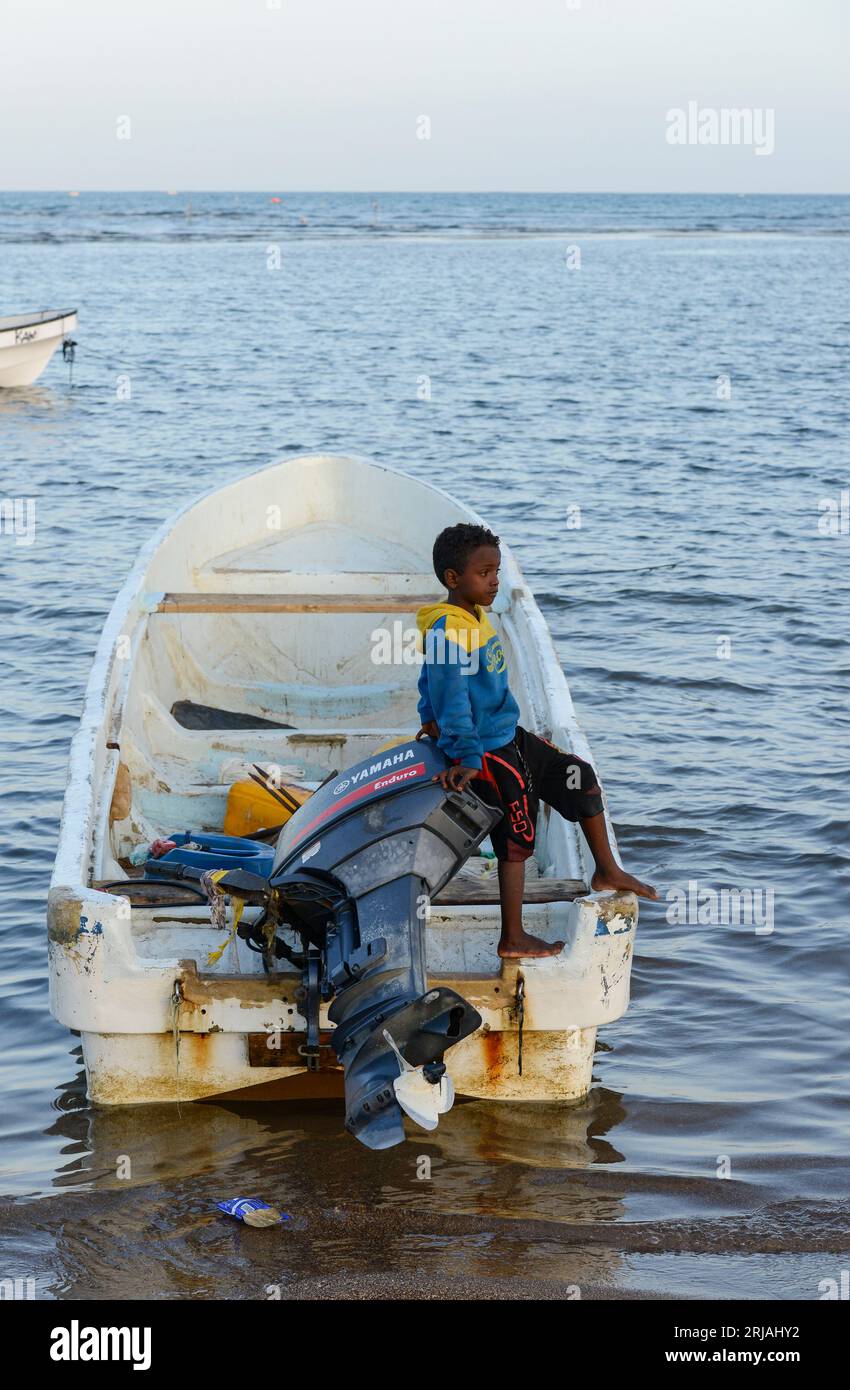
x: 11, y: 323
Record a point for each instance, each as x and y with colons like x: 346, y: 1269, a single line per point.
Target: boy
x: 466, y: 705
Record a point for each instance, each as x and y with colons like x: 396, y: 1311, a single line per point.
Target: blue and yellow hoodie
x: 463, y: 683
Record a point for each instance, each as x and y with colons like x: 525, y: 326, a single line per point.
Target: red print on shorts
x: 520, y: 824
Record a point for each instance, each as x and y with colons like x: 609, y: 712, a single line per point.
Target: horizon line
x: 455, y: 192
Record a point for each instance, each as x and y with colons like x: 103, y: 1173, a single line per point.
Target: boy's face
x: 478, y: 582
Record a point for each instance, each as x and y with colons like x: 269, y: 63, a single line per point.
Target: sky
x: 438, y: 95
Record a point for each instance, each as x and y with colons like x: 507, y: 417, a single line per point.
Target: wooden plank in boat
x: 459, y: 891
x: 538, y: 890
x: 292, y: 603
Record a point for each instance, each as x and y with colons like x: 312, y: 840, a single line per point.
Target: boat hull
x: 134, y: 1069
x: 26, y: 347
x: 157, y: 1022
x: 174, y: 1033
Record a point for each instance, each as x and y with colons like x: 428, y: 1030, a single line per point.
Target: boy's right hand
x: 431, y: 729
x: 454, y: 779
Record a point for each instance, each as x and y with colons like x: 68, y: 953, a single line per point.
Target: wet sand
x: 519, y: 1202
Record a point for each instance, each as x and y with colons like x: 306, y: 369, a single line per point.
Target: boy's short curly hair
x: 455, y: 544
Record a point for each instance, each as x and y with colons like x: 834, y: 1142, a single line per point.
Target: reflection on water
x: 35, y: 402
x: 536, y: 1194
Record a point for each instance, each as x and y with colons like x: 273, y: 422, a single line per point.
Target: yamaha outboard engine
x: 355, y: 869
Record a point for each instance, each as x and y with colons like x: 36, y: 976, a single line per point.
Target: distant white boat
x: 28, y: 341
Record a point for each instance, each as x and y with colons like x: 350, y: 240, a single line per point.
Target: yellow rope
x: 238, y: 909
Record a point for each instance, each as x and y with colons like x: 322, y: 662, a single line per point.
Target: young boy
x: 466, y: 705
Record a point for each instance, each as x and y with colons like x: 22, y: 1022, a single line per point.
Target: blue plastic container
x: 213, y: 852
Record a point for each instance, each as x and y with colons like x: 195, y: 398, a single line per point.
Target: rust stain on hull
x: 497, y: 1055
x: 249, y: 990
x: 281, y: 1050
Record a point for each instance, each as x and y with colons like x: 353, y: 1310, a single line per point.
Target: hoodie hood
x: 469, y: 632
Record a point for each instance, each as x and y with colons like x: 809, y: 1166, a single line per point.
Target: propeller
x: 423, y: 1100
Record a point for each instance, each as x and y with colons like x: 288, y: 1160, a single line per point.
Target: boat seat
x: 465, y: 891
x: 361, y: 555
x: 462, y: 892
x: 291, y: 603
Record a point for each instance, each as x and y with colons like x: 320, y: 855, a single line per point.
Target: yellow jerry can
x: 250, y: 807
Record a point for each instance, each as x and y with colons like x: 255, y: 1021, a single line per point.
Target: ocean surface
x: 670, y: 371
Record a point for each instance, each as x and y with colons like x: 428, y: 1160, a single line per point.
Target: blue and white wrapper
x: 253, y: 1211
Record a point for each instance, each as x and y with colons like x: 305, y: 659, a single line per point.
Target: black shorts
x: 525, y: 772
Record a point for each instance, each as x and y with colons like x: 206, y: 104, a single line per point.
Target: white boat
x: 28, y: 341
x: 263, y: 598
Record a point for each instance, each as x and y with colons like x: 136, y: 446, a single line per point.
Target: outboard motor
x: 355, y: 869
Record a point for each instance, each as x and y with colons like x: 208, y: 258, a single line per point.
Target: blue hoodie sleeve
x: 424, y: 707
x: 448, y: 691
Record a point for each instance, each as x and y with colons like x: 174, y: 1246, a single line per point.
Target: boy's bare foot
x: 525, y: 945
x: 617, y: 878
